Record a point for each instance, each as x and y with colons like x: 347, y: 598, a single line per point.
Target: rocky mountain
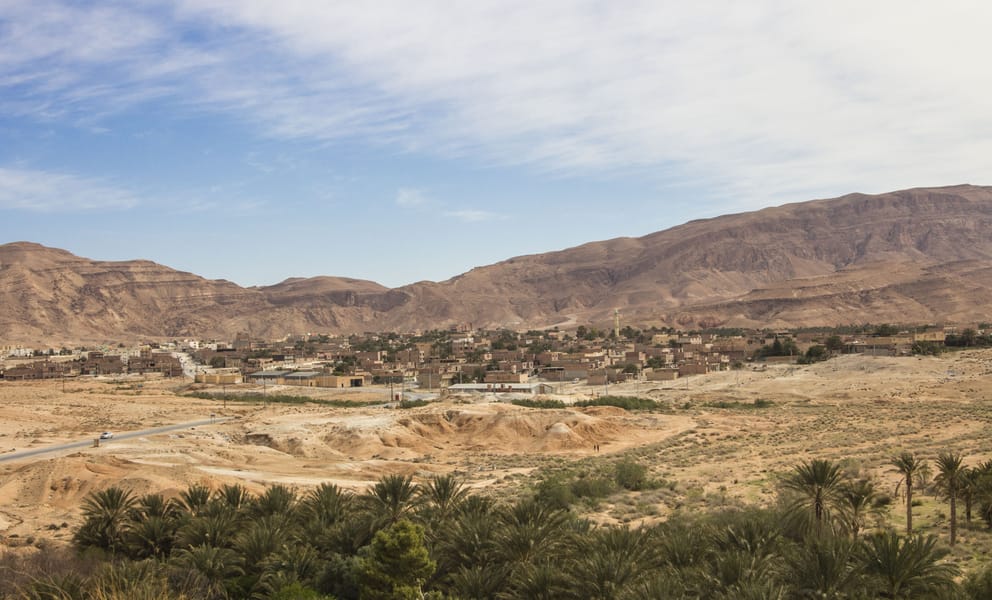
x: 914, y: 256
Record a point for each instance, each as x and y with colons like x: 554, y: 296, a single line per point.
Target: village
x: 463, y: 360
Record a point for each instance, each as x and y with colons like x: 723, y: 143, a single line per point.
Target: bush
x: 631, y: 475
x: 624, y: 402
x: 412, y: 403
x: 529, y: 403
x: 758, y: 403
x: 255, y: 398
x: 592, y: 487
x: 554, y: 493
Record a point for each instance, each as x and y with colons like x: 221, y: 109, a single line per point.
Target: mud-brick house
x: 41, y: 369
x: 98, y: 363
x: 155, y: 362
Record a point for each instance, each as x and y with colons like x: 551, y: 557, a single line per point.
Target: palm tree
x: 392, y: 498
x: 327, y: 503
x: 261, y: 539
x: 859, y: 500
x: 215, y: 565
x: 151, y: 537
x: 923, y: 477
x: 195, y: 498
x: 908, y: 466
x: 530, y: 532
x: 481, y: 581
x: 824, y: 568
x: 538, y: 582
x: 277, y: 500
x: 983, y: 492
x: 154, y: 521
x: 217, y: 529
x: 970, y: 489
x: 106, y: 513
x: 235, y: 496
x: 156, y: 505
x: 442, y: 495
x: 950, y: 479
x: 468, y: 539
x: 611, y: 561
x: 907, y: 567
x: 818, y: 488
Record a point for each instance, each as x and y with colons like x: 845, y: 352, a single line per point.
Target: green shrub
x: 592, y: 487
x: 256, y: 398
x: 530, y: 403
x: 631, y: 475
x: 412, y: 403
x: 624, y: 402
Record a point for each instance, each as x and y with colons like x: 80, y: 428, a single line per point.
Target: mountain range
x: 912, y: 256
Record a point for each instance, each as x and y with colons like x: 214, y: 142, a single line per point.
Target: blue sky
x: 256, y: 140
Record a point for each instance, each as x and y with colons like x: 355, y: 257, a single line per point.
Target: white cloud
x: 43, y: 191
x: 409, y: 198
x: 760, y: 100
x: 474, y: 216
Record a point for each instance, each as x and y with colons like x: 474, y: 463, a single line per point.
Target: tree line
x: 439, y: 539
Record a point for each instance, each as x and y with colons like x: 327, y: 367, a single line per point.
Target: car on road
x: 106, y: 435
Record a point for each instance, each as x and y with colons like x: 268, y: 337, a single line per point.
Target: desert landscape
x: 725, y: 438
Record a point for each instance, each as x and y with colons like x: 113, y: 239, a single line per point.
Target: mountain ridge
x: 918, y: 255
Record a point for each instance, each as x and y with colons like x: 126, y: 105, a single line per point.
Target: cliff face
x: 919, y: 255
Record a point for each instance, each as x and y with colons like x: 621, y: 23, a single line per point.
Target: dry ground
x: 712, y: 448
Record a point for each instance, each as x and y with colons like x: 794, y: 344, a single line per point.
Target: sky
x: 257, y: 140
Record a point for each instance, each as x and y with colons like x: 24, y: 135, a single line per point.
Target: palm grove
x: 436, y: 538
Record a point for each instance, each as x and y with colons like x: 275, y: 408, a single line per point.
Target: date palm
x: 950, y: 480
x: 442, y: 496
x: 826, y: 567
x: 907, y: 567
x: 611, y: 562
x: 465, y: 540
x: 530, y: 532
x: 195, y: 498
x: 538, y: 582
x: 818, y: 487
x: 235, y: 496
x: 392, y: 498
x: 970, y: 489
x: 106, y: 514
x: 215, y: 565
x: 151, y: 537
x: 859, y: 500
x: 276, y: 500
x: 909, y: 467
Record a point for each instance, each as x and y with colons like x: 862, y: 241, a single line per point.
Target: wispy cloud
x: 42, y: 191
x: 409, y: 198
x: 760, y: 100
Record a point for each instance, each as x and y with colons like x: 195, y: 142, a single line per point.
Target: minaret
x: 616, y: 322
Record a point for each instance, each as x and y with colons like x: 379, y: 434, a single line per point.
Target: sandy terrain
x: 713, y: 442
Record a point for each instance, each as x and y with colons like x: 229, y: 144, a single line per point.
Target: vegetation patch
x: 758, y: 403
x: 278, y: 399
x: 533, y: 403
x: 413, y: 403
x: 624, y: 402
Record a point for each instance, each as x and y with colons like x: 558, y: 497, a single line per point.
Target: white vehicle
x: 106, y: 435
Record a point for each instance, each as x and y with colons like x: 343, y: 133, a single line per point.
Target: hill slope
x: 920, y: 255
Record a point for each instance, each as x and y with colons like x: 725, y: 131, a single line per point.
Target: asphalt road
x: 126, y: 435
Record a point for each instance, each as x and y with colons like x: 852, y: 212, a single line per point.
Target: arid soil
x: 713, y: 446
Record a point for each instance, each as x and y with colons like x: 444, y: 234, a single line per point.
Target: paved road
x: 117, y: 436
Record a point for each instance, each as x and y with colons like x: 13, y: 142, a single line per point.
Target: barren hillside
x: 918, y: 255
